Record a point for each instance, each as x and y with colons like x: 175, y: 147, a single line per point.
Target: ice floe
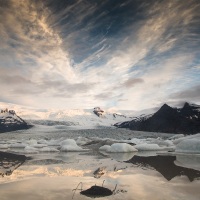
x: 53, y: 142
x: 4, y: 146
x: 104, y: 148
x: 147, y: 147
x: 188, y: 161
x: 176, y: 145
x: 189, y: 146
x: 48, y: 149
x: 161, y: 142
x: 18, y: 145
x: 177, y: 136
x: 42, y: 141
x: 39, y: 145
x: 137, y: 141
x: 122, y: 156
x: 70, y: 145
x: 32, y: 142
x: 176, y: 141
x: 121, y: 148
x: 82, y: 140
x: 30, y: 150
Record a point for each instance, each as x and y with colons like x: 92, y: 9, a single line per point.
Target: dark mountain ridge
x: 184, y: 120
x: 9, y: 121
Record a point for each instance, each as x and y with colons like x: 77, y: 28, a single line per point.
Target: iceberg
x: 148, y: 147
x: 30, y: 150
x: 161, y: 142
x: 18, y: 145
x: 197, y: 136
x: 82, y: 141
x: 39, y: 145
x: 105, y: 148
x: 70, y: 145
x: 188, y: 161
x: 48, y: 149
x: 4, y: 146
x: 121, y: 148
x: 189, y: 146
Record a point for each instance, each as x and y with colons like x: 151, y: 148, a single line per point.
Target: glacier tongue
x: 68, y: 117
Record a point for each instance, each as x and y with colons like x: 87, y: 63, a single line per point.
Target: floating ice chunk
x: 70, y: 145
x: 150, y: 139
x: 32, y: 142
x: 189, y: 146
x: 188, y: 161
x: 48, y: 149
x: 147, y: 153
x: 169, y: 148
x: 68, y: 142
x: 39, y: 145
x: 162, y: 142
x: 4, y: 146
x: 105, y: 148
x: 167, y: 143
x: 121, y: 148
x: 137, y: 141
x: 186, y: 138
x: 176, y: 136
x: 82, y: 140
x: 122, y: 156
x: 148, y: 147
x: 18, y: 145
x: 71, y: 148
x: 54, y: 142
x: 31, y: 150
x: 42, y: 141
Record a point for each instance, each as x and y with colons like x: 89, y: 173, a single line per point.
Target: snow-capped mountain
x: 9, y: 121
x: 70, y: 117
x: 168, y: 120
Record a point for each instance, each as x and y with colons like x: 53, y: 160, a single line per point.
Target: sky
x: 124, y: 54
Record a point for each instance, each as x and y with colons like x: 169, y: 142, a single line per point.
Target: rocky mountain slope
x: 9, y: 121
x: 169, y: 120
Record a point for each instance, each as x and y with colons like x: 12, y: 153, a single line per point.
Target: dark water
x: 9, y: 162
x: 165, y: 165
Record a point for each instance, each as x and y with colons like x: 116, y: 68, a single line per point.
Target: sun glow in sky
x: 128, y: 54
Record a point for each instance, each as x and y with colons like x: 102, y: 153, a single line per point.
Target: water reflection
x: 119, y: 156
x: 188, y: 161
x: 9, y: 162
x: 50, y: 180
x: 138, y: 186
x: 165, y: 165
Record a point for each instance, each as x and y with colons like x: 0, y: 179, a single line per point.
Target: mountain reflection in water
x: 9, y: 162
x: 54, y: 176
x: 164, y: 165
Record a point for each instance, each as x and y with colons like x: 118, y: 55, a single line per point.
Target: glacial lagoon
x: 133, y: 176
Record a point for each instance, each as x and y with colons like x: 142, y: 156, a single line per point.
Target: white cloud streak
x: 143, y: 66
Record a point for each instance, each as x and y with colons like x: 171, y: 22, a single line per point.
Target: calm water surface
x: 54, y: 176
